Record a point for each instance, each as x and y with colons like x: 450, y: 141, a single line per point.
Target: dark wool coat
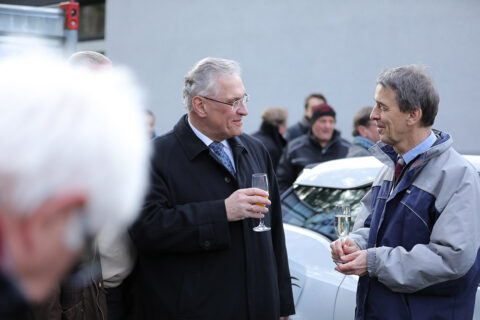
x: 298, y: 129
x: 192, y: 262
x: 272, y: 140
x: 306, y: 150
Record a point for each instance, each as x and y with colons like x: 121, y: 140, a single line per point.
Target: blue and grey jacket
x: 422, y: 237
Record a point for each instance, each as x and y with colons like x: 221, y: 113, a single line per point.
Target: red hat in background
x: 322, y: 110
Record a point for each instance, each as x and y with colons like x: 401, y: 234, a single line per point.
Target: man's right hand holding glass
x: 341, y: 248
x: 247, y: 203
x: 348, y: 257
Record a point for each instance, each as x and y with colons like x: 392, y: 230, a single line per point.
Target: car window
x: 313, y: 207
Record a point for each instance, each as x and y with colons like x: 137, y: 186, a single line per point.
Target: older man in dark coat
x: 198, y: 255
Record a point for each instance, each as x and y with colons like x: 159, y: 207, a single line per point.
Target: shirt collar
x: 421, y: 148
x: 203, y: 137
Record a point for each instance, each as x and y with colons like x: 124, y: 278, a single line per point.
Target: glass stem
x: 261, y: 222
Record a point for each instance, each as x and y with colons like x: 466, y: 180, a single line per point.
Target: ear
x: 199, y: 107
x: 48, y: 215
x: 414, y: 116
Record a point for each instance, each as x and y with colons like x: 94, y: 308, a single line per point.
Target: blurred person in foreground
x: 114, y: 253
x: 365, y: 133
x: 321, y: 143
x: 90, y: 59
x: 78, y: 164
x: 271, y: 132
x: 415, y: 243
x: 198, y: 255
x: 301, y: 127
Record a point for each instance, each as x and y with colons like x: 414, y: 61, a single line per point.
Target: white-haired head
x: 70, y: 129
x: 90, y: 59
x: 201, y: 79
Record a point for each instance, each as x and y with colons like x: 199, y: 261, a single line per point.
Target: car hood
x: 348, y: 173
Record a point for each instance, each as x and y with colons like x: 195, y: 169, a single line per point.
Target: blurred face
x: 223, y: 121
x: 312, y: 102
x: 391, y: 122
x: 371, y: 131
x: 282, y: 128
x: 323, y: 129
x: 37, y: 250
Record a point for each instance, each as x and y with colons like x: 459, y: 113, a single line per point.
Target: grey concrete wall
x: 288, y: 49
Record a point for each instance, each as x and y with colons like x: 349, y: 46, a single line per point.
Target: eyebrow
x: 380, y: 102
x: 237, y: 98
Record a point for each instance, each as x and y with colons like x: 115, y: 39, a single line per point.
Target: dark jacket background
x: 193, y: 263
x: 298, y: 129
x: 272, y: 140
x: 80, y: 296
x: 306, y: 150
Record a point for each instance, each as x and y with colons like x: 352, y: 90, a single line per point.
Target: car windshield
x: 314, y: 207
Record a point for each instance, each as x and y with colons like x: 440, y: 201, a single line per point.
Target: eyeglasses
x: 235, y: 104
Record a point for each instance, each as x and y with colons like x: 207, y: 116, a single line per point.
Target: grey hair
x: 88, y: 59
x: 414, y: 89
x: 201, y: 79
x: 275, y: 116
x: 361, y: 118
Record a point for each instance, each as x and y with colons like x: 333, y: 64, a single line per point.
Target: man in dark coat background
x: 273, y: 126
x: 321, y: 143
x: 198, y: 255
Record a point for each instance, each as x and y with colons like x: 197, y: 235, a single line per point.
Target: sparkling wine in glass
x: 343, y: 221
x: 260, y: 181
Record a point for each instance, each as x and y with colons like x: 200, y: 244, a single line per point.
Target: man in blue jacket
x: 415, y: 244
x: 198, y: 257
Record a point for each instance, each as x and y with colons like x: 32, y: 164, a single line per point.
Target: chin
x: 236, y: 132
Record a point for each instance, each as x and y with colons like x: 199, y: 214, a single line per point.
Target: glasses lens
x: 238, y: 103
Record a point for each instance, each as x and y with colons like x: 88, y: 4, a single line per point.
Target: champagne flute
x: 343, y: 222
x: 260, y: 181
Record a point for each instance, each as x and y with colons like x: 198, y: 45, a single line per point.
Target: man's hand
x: 341, y: 248
x: 356, y: 263
x: 247, y: 203
x: 284, y: 318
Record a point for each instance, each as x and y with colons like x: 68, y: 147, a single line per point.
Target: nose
x: 242, y: 110
x: 374, y: 115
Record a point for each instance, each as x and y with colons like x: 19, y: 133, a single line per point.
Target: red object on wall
x: 71, y: 14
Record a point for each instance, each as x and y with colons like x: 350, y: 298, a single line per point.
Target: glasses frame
x: 235, y: 104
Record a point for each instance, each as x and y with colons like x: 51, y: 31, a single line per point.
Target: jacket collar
x: 335, y: 137
x: 193, y: 146
x: 271, y: 130
x: 388, y: 156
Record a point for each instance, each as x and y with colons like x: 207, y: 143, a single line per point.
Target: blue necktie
x: 217, y: 149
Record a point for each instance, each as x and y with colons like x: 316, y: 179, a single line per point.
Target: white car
x: 319, y: 291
